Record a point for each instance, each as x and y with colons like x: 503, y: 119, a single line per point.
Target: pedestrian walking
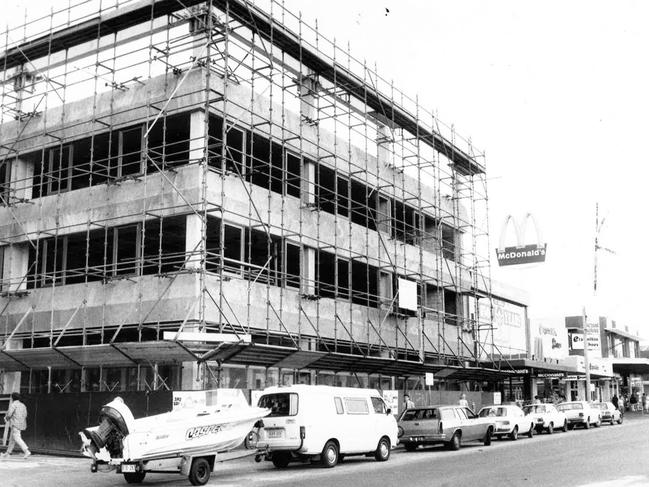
x: 615, y: 401
x: 16, y: 420
x: 463, y: 402
x: 407, y: 403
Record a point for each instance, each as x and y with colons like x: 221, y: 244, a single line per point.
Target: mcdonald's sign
x: 522, y: 253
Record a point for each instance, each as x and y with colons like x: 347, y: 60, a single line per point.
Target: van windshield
x: 281, y: 404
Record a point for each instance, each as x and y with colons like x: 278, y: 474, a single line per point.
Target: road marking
x: 629, y: 481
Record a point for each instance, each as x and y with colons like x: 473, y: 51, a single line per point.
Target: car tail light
x: 302, y: 432
x: 441, y: 428
x: 581, y: 415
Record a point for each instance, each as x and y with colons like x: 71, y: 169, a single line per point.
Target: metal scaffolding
x: 209, y: 165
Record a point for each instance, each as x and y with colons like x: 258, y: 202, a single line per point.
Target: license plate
x: 278, y: 433
x: 128, y: 467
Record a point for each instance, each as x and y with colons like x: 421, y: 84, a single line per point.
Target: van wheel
x: 587, y: 425
x: 329, y: 455
x: 281, y: 459
x: 565, y: 426
x: 530, y: 433
x: 382, y: 452
x: 551, y: 428
x: 619, y: 421
x: 134, y: 477
x: 200, y: 472
x: 456, y: 441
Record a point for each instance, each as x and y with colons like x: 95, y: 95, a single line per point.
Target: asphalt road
x: 610, y: 456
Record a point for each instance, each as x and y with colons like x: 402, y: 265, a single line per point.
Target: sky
x: 556, y: 93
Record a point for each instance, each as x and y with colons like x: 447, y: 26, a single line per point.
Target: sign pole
x: 586, y: 363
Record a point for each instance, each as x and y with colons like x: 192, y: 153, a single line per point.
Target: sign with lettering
x: 522, y: 252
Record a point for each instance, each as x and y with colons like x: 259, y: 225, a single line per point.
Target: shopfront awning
x: 123, y: 354
x: 287, y: 357
x: 628, y: 366
x: 529, y: 366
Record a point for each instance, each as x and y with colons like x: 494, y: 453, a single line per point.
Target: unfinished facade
x: 216, y: 167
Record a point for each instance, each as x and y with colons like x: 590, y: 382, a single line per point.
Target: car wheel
x: 134, y: 477
x: 329, y: 455
x: 456, y: 441
x: 382, y: 452
x: 199, y: 474
x: 551, y: 428
x: 598, y: 423
x: 281, y: 459
x: 619, y: 421
x: 587, y: 425
x: 487, y: 437
x: 410, y: 446
x: 565, y: 426
x: 514, y: 434
x: 530, y: 433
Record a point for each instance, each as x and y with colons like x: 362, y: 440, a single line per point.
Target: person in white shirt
x: 16, y: 419
x: 463, y: 402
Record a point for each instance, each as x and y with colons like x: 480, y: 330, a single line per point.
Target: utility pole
x: 598, y: 228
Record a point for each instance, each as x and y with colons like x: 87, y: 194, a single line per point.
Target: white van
x: 325, y: 423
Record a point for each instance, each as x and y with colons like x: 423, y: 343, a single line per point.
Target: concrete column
x: 308, y: 270
x: 193, y: 241
x: 384, y: 142
x: 197, y: 135
x: 22, y: 174
x: 308, y: 97
x: 15, y: 264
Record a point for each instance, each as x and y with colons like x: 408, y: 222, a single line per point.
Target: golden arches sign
x: 522, y: 253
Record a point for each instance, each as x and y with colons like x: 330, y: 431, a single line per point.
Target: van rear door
x: 281, y: 427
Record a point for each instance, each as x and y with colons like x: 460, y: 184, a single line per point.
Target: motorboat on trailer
x: 185, y: 441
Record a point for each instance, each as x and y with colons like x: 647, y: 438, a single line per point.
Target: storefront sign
x: 528, y: 254
x: 576, y: 340
x: 508, y: 324
x: 521, y: 253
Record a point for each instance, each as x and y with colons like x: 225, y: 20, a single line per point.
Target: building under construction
x: 206, y: 194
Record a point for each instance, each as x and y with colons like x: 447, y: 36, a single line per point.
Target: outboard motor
x: 115, y: 422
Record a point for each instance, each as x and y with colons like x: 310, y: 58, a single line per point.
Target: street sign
x: 429, y: 378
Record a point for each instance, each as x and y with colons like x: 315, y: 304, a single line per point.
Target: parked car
x: 546, y: 417
x: 581, y: 413
x: 509, y: 420
x: 609, y: 413
x: 450, y: 425
x: 322, y: 423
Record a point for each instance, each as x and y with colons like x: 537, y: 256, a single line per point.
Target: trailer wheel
x: 200, y: 472
x: 134, y: 477
x: 281, y: 459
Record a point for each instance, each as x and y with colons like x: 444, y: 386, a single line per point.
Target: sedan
x: 581, y: 413
x: 509, y: 420
x: 546, y: 417
x: 609, y: 412
x: 447, y: 424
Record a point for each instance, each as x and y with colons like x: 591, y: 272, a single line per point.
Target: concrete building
x: 614, y: 351
x: 206, y: 194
